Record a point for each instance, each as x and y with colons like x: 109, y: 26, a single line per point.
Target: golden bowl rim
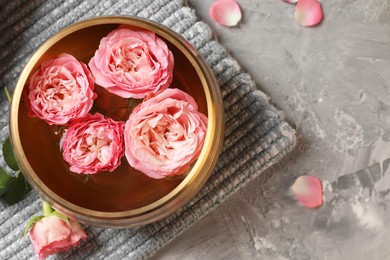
x: 190, y: 185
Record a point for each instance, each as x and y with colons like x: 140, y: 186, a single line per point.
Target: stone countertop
x: 333, y: 83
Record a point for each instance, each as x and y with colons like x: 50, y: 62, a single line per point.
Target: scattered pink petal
x: 308, y: 12
x: 308, y: 190
x: 291, y: 1
x: 225, y: 12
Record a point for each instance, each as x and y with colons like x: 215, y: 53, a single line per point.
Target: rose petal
x: 308, y: 12
x: 308, y: 191
x: 225, y: 12
x: 77, y: 233
x: 291, y: 1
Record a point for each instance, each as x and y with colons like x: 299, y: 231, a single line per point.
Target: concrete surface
x: 333, y: 82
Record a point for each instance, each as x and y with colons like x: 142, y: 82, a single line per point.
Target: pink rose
x: 51, y: 235
x: 61, y: 90
x: 132, y: 63
x: 165, y: 134
x: 93, y: 144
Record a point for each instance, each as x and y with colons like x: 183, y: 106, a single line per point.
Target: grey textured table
x: 333, y: 82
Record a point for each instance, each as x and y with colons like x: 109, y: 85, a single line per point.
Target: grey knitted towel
x: 256, y: 134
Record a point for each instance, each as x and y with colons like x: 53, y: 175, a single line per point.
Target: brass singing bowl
x: 125, y: 197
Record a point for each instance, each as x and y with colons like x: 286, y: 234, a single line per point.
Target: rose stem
x: 46, y: 208
x: 9, y: 98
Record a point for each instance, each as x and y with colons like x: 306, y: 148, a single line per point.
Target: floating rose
x: 225, y: 12
x: 61, y: 90
x: 165, y: 134
x: 132, y: 63
x: 93, y: 144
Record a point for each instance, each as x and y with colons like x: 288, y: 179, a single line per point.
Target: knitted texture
x: 256, y: 134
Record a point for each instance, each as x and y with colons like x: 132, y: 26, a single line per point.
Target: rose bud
x: 93, y: 143
x: 132, y: 63
x: 52, y: 234
x: 165, y: 134
x: 61, y: 90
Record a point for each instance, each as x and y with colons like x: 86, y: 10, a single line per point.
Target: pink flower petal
x: 308, y: 12
x: 225, y: 12
x: 308, y: 191
x: 291, y: 1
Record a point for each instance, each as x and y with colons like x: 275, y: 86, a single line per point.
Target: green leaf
x: 17, y: 190
x: 5, y: 180
x: 8, y: 155
x: 31, y: 222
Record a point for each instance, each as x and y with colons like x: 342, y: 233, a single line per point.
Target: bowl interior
x: 125, y: 188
